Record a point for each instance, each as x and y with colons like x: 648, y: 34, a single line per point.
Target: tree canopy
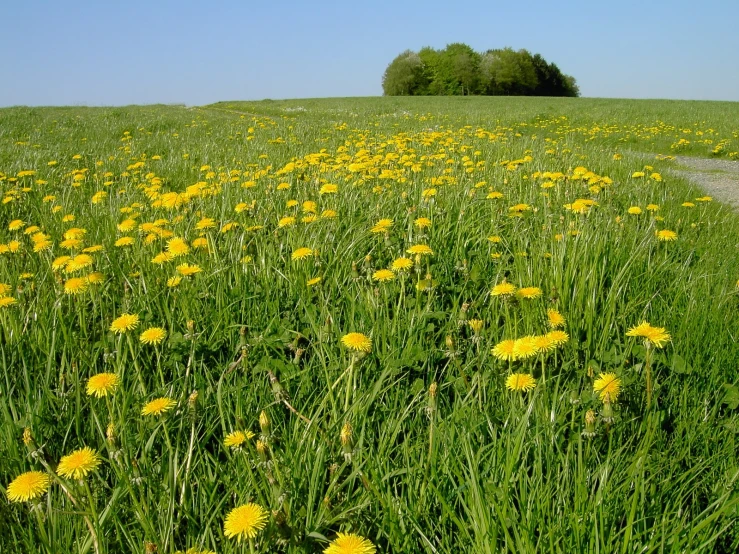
x: 458, y: 70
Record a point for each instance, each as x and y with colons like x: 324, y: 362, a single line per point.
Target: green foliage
x: 458, y: 70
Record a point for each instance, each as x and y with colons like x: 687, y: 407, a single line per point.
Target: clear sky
x: 109, y: 52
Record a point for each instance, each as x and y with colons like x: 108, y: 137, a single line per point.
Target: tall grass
x: 437, y: 456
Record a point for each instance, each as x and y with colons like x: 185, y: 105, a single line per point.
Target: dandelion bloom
x: 420, y: 250
x: 27, y: 486
x: 357, y: 342
x: 177, y: 247
x: 525, y: 347
x: 188, y: 269
x: 657, y: 336
x: 237, y: 438
x: 302, y: 253
x: 124, y: 241
x: 555, y: 318
x: 350, y: 544
x: 313, y: 282
x: 634, y: 210
x: 6, y: 301
x: 75, y: 285
x: 529, y: 292
x: 544, y: 343
x: 14, y: 226
x: 102, y: 384
x: 78, y: 464
x: 286, y: 222
x: 422, y: 222
x: 153, y: 335
x: 476, y: 325
x: 665, y: 235
x: 382, y: 226
x: 158, y: 406
x: 520, y: 382
x: 558, y: 338
x: 504, y: 350
x: 126, y: 322
x: 503, y: 289
x: 607, y: 385
x: 401, y: 264
x: 383, y: 275
x: 245, y: 521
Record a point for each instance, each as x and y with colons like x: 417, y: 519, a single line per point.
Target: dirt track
x: 719, y: 178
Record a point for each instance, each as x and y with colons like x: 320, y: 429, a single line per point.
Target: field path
x: 719, y: 178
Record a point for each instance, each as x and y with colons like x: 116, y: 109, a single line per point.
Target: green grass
x: 472, y: 467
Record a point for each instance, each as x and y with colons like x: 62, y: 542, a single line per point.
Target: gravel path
x: 719, y: 178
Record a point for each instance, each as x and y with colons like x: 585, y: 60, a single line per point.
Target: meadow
x: 368, y: 325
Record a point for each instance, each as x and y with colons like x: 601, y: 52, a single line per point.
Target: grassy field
x: 412, y: 325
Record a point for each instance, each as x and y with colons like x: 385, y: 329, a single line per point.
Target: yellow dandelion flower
x: 607, y: 385
x: 313, y: 282
x: 15, y: 225
x: 153, y: 335
x: 75, y: 285
x: 529, y: 292
x: 102, y: 384
x: 476, y: 325
x: 78, y: 464
x: 401, y: 264
x: 357, y: 342
x: 95, y: 278
x: 520, y: 382
x: 124, y: 241
x: 301, y: 253
x: 127, y: 225
x: 503, y: 289
x: 237, y: 438
x: 350, y: 544
x: 525, y: 347
x: 205, y: 223
x: 4, y: 289
x: 174, y: 281
x: 126, y: 322
x: 329, y: 189
x: 158, y: 406
x: 177, y: 247
x: 665, y: 235
x: 383, y: 275
x: 382, y: 226
x: 504, y: 350
x: 555, y: 319
x: 656, y: 336
x: 420, y: 250
x: 544, y: 343
x: 27, y: 486
x: 245, y: 521
x: 188, y: 269
x: 422, y: 223
x: 201, y: 242
x: 286, y: 222
x: 6, y: 301
x: 558, y: 337
x: 634, y: 210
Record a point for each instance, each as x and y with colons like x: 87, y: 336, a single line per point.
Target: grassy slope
x: 488, y: 471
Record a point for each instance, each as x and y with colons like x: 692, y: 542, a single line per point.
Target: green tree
x: 404, y: 76
x: 508, y: 72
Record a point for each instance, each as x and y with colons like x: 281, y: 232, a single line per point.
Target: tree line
x: 458, y: 70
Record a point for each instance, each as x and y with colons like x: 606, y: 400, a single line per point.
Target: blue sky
x: 136, y: 52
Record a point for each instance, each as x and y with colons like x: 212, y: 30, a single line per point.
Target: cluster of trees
x: 459, y: 70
